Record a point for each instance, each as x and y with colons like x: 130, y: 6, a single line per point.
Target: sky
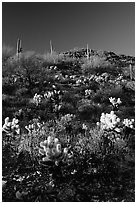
x: 107, y: 26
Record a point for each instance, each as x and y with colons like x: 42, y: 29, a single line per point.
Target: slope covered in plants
x: 68, y: 126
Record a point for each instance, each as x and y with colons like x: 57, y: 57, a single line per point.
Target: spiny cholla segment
x: 11, y: 126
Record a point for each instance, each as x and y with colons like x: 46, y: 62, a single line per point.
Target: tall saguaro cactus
x: 130, y: 68
x: 19, y: 48
x: 51, y: 48
x: 87, y: 52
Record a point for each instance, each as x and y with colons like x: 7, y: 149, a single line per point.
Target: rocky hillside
x: 119, y: 60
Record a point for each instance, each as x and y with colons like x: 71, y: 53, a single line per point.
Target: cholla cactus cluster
x: 37, y: 99
x: 52, y: 150
x: 51, y: 94
x: 11, y: 126
x: 66, y: 118
x: 130, y: 123
x: 109, y: 121
x: 115, y: 102
x: 34, y: 126
x: 48, y: 95
x: 30, y: 128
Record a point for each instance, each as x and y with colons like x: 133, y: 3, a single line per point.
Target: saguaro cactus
x: 51, y: 48
x: 19, y: 48
x: 87, y: 52
x: 130, y: 68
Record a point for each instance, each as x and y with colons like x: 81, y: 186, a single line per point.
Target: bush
x: 94, y: 64
x: 102, y: 94
x: 67, y: 108
x: 88, y: 111
x: 50, y: 59
x: 23, y: 92
x: 7, y: 52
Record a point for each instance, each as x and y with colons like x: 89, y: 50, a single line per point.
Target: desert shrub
x: 35, y: 90
x: 126, y: 112
x: 8, y: 88
x: 102, y: 94
x: 67, y: 108
x: 68, y: 97
x: 91, y: 141
x: 8, y: 164
x: 30, y: 70
x: 88, y: 111
x: 67, y: 61
x: 50, y: 59
x: 28, y: 54
x: 126, y: 73
x: 130, y: 86
x: 21, y: 92
x: 93, y: 85
x: 10, y: 68
x: 7, y: 52
x: 90, y: 65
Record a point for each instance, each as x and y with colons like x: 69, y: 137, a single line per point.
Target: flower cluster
x: 52, y: 151
x: 129, y: 123
x: 11, y: 127
x: 37, y: 99
x: 109, y: 121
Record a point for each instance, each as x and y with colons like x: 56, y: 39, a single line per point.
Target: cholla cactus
x: 129, y: 123
x: 88, y: 92
x: 51, y: 94
x: 66, y: 118
x: 57, y: 107
x: 84, y: 127
x: 52, y: 151
x: 115, y: 102
x: 48, y: 94
x: 37, y: 99
x: 11, y: 127
x: 78, y: 82
x: 34, y: 126
x: 109, y: 121
x: 30, y: 128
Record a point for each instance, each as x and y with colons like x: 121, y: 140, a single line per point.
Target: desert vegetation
x: 68, y: 130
